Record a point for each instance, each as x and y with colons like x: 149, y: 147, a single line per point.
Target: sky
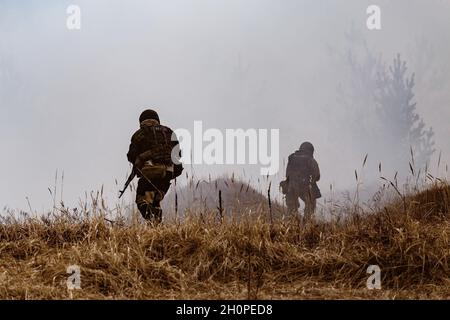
x: 70, y: 99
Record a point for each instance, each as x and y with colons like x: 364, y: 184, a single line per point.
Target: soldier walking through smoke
x: 150, y: 153
x: 302, y: 174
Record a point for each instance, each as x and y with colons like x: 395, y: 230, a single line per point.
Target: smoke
x: 69, y: 100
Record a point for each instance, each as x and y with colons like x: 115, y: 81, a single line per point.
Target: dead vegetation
x: 202, y: 257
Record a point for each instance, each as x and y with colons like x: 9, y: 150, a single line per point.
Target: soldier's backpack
x: 299, y: 170
x: 155, y: 162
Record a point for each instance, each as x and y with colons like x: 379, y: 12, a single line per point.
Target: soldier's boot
x: 149, y: 206
x: 154, y: 215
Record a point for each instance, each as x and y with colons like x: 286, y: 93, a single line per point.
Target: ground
x: 252, y: 257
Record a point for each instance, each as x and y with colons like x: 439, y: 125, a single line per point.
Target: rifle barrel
x: 127, y: 183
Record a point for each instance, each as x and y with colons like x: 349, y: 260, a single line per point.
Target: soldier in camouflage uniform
x: 150, y: 153
x: 302, y: 174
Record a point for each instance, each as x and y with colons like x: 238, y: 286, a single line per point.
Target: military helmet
x: 149, y: 114
x: 307, y: 147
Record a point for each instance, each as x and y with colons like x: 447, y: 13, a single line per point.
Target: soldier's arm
x: 289, y: 167
x: 315, y: 170
x: 176, y: 146
x: 131, y: 155
x: 133, y: 150
x: 174, y: 139
x: 174, y: 143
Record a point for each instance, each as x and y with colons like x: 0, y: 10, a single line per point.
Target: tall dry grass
x: 250, y: 257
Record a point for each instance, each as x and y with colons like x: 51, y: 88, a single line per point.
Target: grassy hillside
x: 238, y: 198
x: 250, y: 258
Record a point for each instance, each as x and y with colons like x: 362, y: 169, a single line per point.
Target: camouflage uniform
x: 302, y: 173
x: 150, y: 153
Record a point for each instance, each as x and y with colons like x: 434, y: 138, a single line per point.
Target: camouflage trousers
x: 149, y: 194
x: 306, y: 196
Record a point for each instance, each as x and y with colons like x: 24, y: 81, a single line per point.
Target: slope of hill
x: 237, y: 198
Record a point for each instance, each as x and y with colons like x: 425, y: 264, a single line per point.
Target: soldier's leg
x: 292, y: 201
x: 310, y: 205
x: 161, y: 188
x: 144, y: 197
x: 148, y: 197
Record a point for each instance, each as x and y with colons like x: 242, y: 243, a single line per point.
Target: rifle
x: 130, y: 178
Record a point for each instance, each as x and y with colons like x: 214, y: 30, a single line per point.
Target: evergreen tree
x: 402, y: 127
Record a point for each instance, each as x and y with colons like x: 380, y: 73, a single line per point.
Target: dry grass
x: 245, y: 258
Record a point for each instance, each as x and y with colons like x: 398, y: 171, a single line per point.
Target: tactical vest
x: 154, y: 144
x: 300, y: 170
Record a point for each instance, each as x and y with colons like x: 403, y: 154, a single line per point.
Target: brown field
x: 249, y: 258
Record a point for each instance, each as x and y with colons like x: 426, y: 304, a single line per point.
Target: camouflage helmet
x: 148, y: 114
x: 307, y: 147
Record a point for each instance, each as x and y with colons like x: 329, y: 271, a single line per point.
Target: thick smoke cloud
x: 69, y: 100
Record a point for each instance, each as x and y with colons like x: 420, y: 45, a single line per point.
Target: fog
x: 70, y: 99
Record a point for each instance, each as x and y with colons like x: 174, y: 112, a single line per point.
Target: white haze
x: 69, y: 100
